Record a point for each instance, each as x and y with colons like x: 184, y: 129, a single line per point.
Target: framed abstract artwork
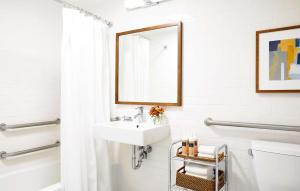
x: 278, y: 60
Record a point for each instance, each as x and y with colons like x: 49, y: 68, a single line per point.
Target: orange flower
x: 159, y: 109
x: 155, y: 111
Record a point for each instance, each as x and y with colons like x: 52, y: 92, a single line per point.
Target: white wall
x: 218, y: 82
x: 30, y: 35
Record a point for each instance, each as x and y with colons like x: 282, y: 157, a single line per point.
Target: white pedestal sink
x: 140, y: 134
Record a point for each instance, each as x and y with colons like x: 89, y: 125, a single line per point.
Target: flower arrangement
x: 156, y: 113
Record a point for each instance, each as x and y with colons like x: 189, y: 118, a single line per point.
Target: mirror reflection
x: 148, y: 66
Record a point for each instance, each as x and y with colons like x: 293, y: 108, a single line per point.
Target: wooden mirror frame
x: 179, y: 69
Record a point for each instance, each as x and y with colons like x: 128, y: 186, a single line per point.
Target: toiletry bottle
x: 191, y: 147
x: 196, y: 147
x: 185, y: 146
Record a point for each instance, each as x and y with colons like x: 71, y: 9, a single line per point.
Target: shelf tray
x: 207, y: 163
x: 221, y: 157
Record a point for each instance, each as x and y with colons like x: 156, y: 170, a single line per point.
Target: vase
x: 157, y: 120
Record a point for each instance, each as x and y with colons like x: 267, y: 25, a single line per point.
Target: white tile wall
x: 30, y: 35
x: 218, y: 81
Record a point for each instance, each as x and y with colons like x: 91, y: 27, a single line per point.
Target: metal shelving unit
x: 216, y: 165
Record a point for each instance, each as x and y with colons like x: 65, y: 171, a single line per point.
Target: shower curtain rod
x: 69, y: 5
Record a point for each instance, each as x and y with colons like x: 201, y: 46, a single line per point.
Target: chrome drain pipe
x: 142, y: 154
x: 135, y: 165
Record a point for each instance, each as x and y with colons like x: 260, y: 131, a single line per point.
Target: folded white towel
x: 200, y: 170
x: 200, y: 176
x: 206, y: 155
x: 205, y: 149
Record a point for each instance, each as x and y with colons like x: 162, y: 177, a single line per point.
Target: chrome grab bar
x: 210, y: 121
x: 4, y: 127
x: 5, y: 155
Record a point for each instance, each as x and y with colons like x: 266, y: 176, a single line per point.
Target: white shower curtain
x: 137, y: 71
x: 84, y: 102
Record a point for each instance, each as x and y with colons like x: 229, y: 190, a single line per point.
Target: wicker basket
x: 179, y: 154
x: 197, y: 183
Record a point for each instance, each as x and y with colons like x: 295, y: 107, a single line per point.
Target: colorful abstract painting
x: 278, y: 60
x: 284, y: 59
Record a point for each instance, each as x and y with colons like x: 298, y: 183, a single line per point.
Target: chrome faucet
x: 140, y: 114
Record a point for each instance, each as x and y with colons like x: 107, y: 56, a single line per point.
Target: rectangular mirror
x: 149, y: 66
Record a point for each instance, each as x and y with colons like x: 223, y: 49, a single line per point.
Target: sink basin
x: 132, y: 133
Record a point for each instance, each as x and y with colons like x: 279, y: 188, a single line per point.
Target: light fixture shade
x: 156, y: 1
x: 132, y: 4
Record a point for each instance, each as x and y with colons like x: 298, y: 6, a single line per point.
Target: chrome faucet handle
x: 117, y: 118
x: 127, y: 118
